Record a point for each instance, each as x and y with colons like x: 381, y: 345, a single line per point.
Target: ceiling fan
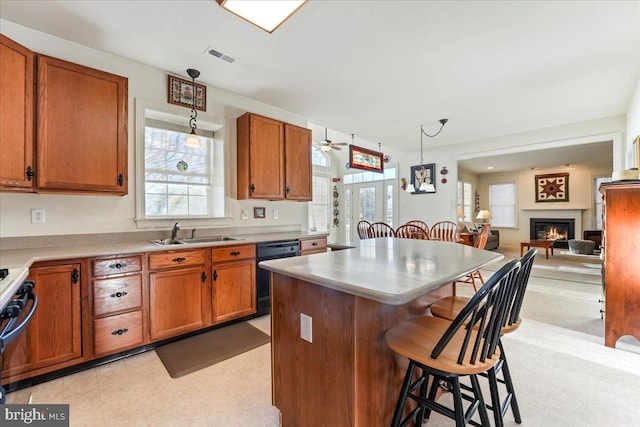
x: 328, y: 145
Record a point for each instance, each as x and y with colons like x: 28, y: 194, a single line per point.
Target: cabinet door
x: 234, y: 290
x: 177, y: 301
x: 54, y: 334
x: 16, y: 116
x: 297, y: 163
x: 260, y: 158
x: 81, y: 129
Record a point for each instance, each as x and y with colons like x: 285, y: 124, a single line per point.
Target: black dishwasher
x: 266, y: 251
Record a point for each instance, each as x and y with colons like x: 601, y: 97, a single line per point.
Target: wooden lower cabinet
x: 178, y: 296
x: 233, y: 283
x: 53, y: 339
x: 313, y: 245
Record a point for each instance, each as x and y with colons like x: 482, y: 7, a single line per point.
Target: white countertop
x: 387, y: 270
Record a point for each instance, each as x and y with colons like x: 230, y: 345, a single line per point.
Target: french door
x: 370, y: 201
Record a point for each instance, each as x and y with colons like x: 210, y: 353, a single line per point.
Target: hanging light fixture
x: 424, y: 186
x: 192, y: 139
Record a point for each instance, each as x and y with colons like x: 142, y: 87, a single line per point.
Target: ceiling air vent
x: 213, y: 52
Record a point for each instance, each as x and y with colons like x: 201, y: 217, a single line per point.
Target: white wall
x: 78, y: 214
x: 633, y: 129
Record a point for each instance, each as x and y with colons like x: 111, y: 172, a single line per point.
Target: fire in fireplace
x: 559, y: 229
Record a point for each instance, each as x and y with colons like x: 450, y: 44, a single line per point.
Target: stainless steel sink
x: 209, y: 239
x: 212, y: 239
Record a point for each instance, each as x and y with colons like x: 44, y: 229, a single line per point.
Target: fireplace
x: 559, y: 229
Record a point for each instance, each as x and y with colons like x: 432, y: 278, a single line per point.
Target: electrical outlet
x: 37, y: 216
x: 275, y: 214
x: 244, y: 214
x: 306, y: 327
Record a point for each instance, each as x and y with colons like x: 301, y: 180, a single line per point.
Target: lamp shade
x: 192, y: 140
x: 460, y: 213
x: 484, y: 214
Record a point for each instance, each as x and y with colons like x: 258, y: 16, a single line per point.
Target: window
x: 318, y: 209
x: 502, y: 204
x: 465, y: 199
x: 180, y: 182
x: 597, y: 200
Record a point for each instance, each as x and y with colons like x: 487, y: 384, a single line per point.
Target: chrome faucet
x: 174, y: 231
x: 193, y: 233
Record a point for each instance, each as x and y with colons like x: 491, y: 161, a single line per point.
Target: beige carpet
x: 582, y: 268
x: 192, y: 354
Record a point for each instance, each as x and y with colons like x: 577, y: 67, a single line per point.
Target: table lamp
x: 460, y: 214
x: 484, y: 215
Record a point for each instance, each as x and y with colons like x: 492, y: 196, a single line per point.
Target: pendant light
x: 192, y: 139
x: 424, y: 187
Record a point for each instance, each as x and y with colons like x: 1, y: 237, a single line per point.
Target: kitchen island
x: 345, y: 375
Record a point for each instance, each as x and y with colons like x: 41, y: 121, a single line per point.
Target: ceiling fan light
x: 326, y: 148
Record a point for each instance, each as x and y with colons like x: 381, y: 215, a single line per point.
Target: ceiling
x: 380, y: 69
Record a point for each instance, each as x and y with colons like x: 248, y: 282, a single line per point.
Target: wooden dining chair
x: 407, y: 231
x: 363, y: 229
x: 480, y: 243
x: 420, y: 224
x: 448, y: 308
x: 447, y: 350
x: 445, y: 230
x: 381, y: 229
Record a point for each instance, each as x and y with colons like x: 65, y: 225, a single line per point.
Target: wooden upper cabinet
x: 81, y: 129
x: 16, y: 116
x: 297, y: 163
x: 274, y: 159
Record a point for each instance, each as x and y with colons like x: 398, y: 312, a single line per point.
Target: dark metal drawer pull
x: 120, y: 331
x: 118, y: 265
x: 179, y: 259
x: 314, y: 244
x: 118, y: 294
x: 234, y: 253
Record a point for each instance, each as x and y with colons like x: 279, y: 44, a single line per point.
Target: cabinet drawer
x: 313, y: 244
x: 117, y: 332
x: 116, y: 294
x: 230, y: 253
x: 117, y: 265
x: 176, y: 259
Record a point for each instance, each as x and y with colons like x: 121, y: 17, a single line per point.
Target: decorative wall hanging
x: 362, y: 158
x: 336, y: 202
x: 422, y: 179
x: 477, y: 199
x: 553, y: 187
x: 180, y: 92
x: 443, y: 172
x: 259, y: 212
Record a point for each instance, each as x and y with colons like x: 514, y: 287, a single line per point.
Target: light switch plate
x: 276, y: 214
x: 37, y: 216
x: 306, y: 327
x: 244, y: 214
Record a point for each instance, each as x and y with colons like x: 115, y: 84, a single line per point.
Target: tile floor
x: 564, y: 376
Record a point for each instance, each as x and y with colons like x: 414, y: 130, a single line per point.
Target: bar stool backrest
x: 526, y: 262
x: 363, y: 229
x: 482, y: 318
x: 381, y: 229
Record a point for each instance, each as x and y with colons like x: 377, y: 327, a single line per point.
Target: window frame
x: 206, y: 122
x: 323, y: 172
x: 515, y: 203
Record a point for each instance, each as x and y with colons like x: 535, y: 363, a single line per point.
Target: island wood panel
x: 347, y: 376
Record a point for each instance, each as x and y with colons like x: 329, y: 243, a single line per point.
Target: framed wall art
x: 362, y: 158
x: 423, y: 176
x: 553, y: 187
x: 180, y: 92
x: 259, y: 212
